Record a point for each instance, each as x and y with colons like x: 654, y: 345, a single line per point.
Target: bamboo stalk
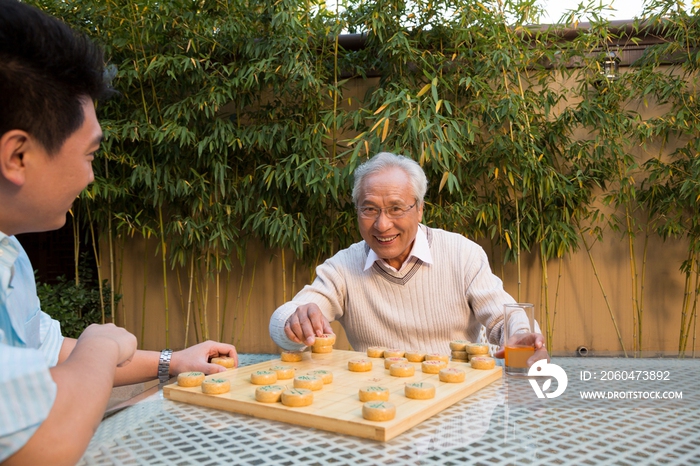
x: 120, y: 281
x: 517, y: 242
x: 97, y: 263
x: 165, y: 275
x: 695, y: 310
x: 545, y: 292
x: 145, y: 289
x: 695, y: 325
x: 692, y: 318
x: 284, y: 278
x: 205, y: 297
x: 602, y: 289
x: 189, y: 300
x: 556, y: 295
x: 218, y: 303
x: 633, y: 277
x: 641, y: 284
x: 182, y: 297
x: 198, y: 300
x: 686, y: 301
x: 238, y: 299
x: 247, y: 306
x: 76, y: 246
x: 161, y: 229
x: 225, y: 305
x: 110, y: 244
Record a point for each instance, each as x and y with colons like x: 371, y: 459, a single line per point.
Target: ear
x: 13, y: 146
x: 420, y: 211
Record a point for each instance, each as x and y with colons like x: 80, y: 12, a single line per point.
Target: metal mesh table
x: 502, y: 424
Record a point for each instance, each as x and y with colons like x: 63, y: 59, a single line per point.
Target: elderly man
x: 406, y: 285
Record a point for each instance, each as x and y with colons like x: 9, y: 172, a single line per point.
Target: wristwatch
x: 164, y: 365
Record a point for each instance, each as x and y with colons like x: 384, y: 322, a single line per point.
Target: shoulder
x: 442, y: 238
x: 351, y: 258
x: 453, y: 248
x: 353, y: 253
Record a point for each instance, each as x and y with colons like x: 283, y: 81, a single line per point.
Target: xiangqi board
x: 337, y: 407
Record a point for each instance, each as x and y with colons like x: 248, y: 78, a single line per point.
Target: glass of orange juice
x: 518, y: 322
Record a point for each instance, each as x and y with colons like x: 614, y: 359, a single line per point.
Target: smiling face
x: 390, y: 239
x: 43, y: 187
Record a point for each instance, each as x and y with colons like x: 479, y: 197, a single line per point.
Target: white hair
x: 385, y: 160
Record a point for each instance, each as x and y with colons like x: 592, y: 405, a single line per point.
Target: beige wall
x: 582, y: 317
x: 245, y: 316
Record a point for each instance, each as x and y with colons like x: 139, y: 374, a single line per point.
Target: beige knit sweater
x: 421, y: 308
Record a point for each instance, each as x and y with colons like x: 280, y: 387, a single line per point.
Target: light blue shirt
x: 30, y: 342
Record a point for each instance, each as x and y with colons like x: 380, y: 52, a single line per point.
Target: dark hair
x: 47, y: 70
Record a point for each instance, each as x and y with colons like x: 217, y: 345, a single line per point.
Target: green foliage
x: 229, y: 125
x: 75, y: 306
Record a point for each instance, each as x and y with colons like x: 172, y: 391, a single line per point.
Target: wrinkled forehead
x: 389, y: 186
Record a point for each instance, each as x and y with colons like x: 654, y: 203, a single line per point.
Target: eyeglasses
x: 393, y: 212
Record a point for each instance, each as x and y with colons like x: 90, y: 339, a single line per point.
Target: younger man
x: 53, y: 390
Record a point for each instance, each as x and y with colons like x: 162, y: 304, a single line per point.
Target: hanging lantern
x: 611, y: 66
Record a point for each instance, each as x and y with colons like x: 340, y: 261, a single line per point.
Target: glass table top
x: 621, y: 411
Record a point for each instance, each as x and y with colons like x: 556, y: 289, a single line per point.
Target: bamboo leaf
x: 424, y: 89
x: 443, y: 180
x: 386, y: 129
x: 380, y: 109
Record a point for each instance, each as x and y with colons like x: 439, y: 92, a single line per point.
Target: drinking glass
x: 518, y: 320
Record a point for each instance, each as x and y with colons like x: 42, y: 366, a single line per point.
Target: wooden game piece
x: 359, y: 365
x: 326, y: 376
x: 263, y: 377
x: 432, y: 367
x: 225, y: 361
x: 321, y: 349
x: 437, y: 357
x: 327, y: 339
x: 283, y: 372
x: 461, y: 355
x: 393, y: 353
x: 478, y: 348
x: 296, y: 397
x: 269, y: 393
x: 393, y: 360
x: 459, y: 345
x: 414, y: 356
x: 373, y: 393
x: 419, y: 390
x: 482, y: 362
x: 291, y: 356
x: 405, y: 369
x: 375, y: 351
x: 215, y: 386
x: 190, y: 379
x: 451, y: 375
x: 311, y: 382
x: 378, y: 411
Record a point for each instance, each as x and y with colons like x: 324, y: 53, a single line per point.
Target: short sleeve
x: 28, y: 393
x: 51, y: 339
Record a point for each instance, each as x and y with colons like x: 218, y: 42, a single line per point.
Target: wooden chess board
x: 336, y: 407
